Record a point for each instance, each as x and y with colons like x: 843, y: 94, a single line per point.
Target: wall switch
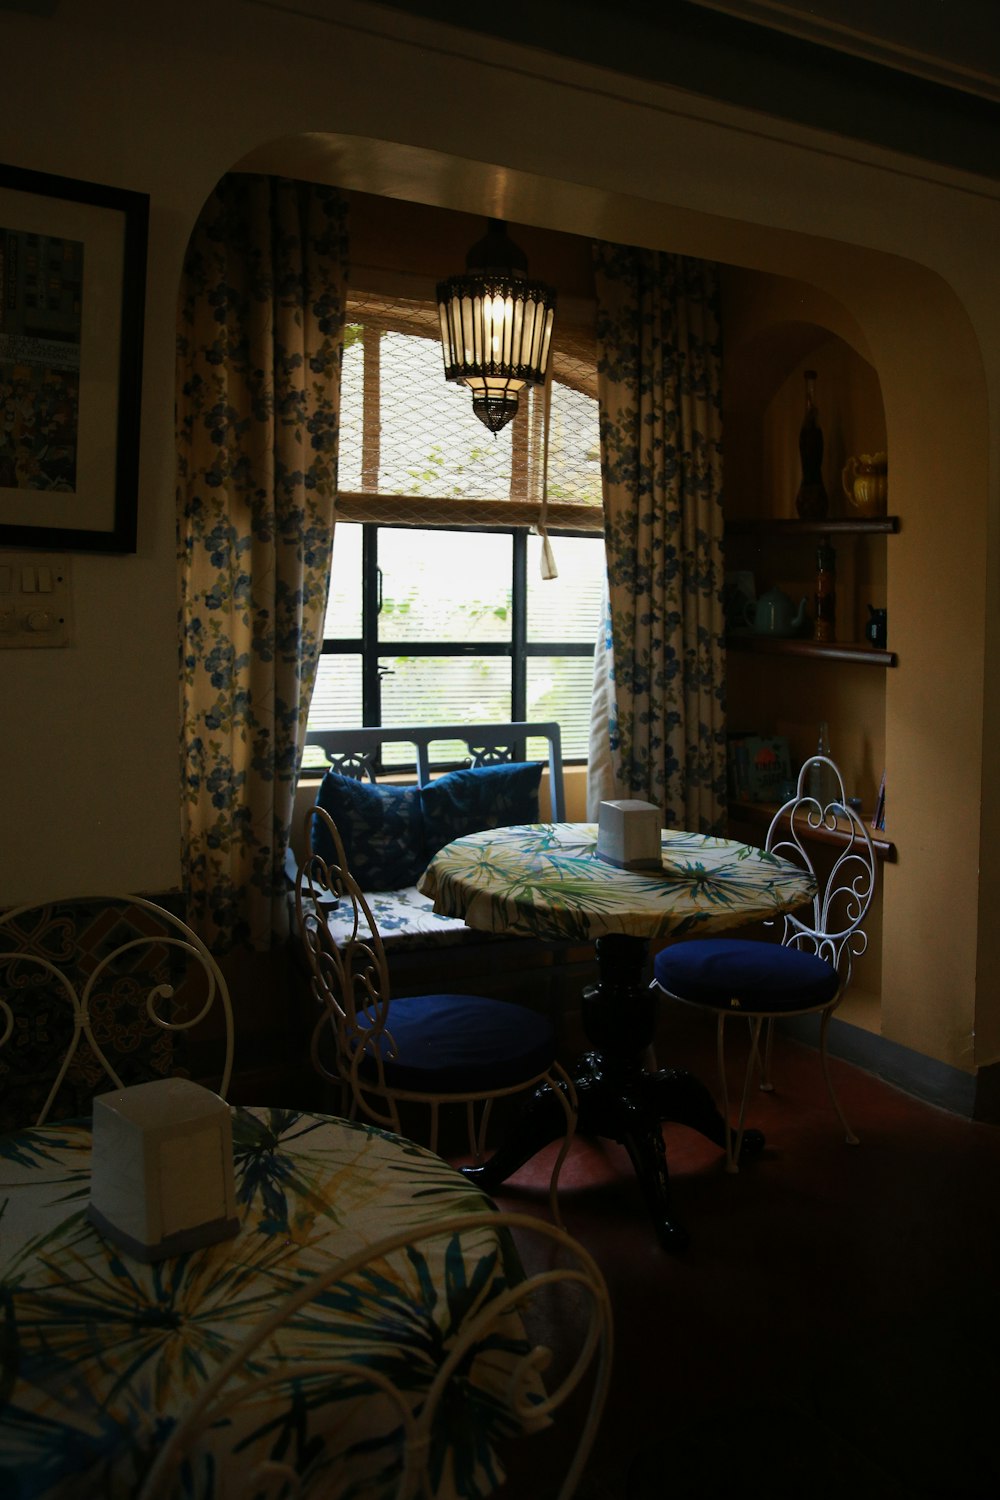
x: 36, y: 606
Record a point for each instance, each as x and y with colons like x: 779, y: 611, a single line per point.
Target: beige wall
x: 165, y: 98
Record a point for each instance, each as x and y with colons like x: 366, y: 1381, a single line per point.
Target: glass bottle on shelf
x: 824, y: 628
x: 811, y: 502
x: 821, y: 782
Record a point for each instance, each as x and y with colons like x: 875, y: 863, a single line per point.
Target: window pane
x: 445, y: 586
x: 444, y: 690
x: 343, y: 609
x: 559, y: 687
x: 567, y: 608
x: 336, y: 700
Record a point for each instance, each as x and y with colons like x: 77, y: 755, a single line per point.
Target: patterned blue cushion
x: 481, y: 797
x: 743, y: 975
x: 382, y: 828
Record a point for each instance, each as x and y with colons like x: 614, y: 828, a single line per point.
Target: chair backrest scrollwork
x: 350, y: 978
x: 844, y: 894
x: 543, y: 1283
x: 100, y: 992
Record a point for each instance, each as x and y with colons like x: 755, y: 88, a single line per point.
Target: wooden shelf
x: 856, y: 652
x: 834, y: 526
x: 761, y: 813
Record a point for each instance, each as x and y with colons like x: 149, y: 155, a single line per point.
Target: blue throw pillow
x: 481, y: 797
x: 382, y: 828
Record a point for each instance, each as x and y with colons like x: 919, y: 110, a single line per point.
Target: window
x: 438, y: 611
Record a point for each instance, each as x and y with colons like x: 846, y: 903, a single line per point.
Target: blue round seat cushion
x: 459, y: 1044
x: 740, y: 974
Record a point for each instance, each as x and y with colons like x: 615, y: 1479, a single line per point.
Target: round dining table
x: 101, y: 1355
x: 547, y: 880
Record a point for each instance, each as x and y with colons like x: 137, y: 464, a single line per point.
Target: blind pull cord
x: 548, y: 562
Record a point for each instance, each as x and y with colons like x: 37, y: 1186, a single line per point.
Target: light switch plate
x: 35, y: 600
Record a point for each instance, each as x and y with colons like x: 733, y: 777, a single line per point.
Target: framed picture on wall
x: 72, y: 295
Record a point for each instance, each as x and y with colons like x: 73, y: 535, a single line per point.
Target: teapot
x: 774, y: 614
x: 865, y: 483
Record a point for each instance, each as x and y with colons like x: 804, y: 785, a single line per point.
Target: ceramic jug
x: 866, y: 483
x: 775, y: 614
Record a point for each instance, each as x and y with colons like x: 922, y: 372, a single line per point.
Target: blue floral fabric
x: 481, y: 797
x: 260, y: 342
x: 381, y: 828
x: 390, y: 832
x: 658, y: 729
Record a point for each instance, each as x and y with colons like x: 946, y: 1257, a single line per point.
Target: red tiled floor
x: 833, y: 1328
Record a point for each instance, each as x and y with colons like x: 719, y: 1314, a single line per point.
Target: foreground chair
x: 474, y: 1390
x: 809, y: 970
x: 101, y: 992
x: 439, y: 1049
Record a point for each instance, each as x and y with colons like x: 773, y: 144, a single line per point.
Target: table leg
x: 618, y: 1099
x: 611, y: 1105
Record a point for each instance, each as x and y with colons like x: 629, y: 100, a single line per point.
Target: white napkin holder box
x: 162, y: 1179
x: 628, y: 835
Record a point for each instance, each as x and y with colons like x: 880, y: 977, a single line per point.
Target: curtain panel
x: 658, y: 727
x: 260, y: 345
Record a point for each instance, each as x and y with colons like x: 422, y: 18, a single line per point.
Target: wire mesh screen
x: 405, y: 430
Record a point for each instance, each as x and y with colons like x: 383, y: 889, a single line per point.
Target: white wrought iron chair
x: 99, y: 991
x: 812, y: 966
x: 496, y: 1345
x: 435, y: 1050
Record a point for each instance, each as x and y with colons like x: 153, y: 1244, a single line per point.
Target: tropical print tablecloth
x: 546, y: 879
x: 99, y: 1353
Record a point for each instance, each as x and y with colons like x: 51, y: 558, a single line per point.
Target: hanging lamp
x: 496, y: 326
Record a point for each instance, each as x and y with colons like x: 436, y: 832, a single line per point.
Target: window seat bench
x: 425, y: 950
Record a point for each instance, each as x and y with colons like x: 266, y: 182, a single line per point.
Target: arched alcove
x: 790, y: 297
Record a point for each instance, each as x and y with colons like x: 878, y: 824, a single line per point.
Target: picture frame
x: 72, y: 306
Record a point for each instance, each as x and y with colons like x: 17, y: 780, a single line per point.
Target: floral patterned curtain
x: 260, y: 343
x: 658, y: 726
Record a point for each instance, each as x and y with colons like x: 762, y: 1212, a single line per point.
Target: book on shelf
x: 878, y: 816
x: 759, y: 768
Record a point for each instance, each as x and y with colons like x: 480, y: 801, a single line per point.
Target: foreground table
x: 100, y: 1355
x: 545, y: 879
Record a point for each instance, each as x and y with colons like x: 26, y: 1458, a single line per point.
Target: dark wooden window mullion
x: 371, y: 683
x: 371, y: 687
x: 559, y: 648
x: 519, y: 629
x: 444, y: 648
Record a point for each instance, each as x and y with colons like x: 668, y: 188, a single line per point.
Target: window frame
x: 374, y: 310
x: 518, y: 649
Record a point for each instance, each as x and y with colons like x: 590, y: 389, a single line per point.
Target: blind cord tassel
x: 548, y: 562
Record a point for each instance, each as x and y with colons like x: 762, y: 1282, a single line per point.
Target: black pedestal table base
x: 618, y: 1098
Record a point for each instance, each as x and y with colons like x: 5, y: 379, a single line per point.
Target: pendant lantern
x: 496, y: 326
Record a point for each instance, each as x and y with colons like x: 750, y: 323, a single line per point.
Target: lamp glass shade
x: 496, y: 331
